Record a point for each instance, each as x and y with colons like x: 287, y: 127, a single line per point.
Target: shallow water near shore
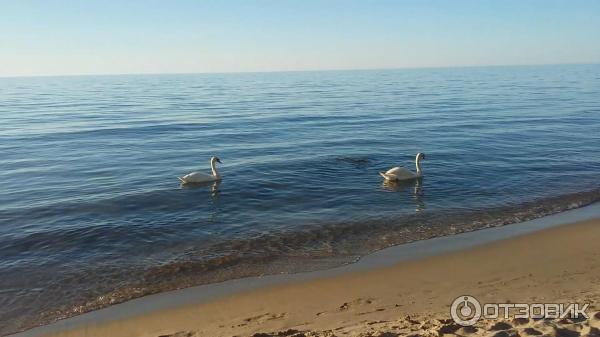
x: 384, y: 258
x: 91, y: 211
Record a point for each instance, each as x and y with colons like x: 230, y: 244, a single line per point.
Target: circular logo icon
x: 465, y: 310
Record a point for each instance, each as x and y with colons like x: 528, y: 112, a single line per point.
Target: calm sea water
x: 91, y: 211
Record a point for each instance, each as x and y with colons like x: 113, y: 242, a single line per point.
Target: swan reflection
x: 212, y: 204
x: 214, y: 186
x: 415, y: 186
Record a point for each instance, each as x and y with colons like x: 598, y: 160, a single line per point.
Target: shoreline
x: 419, y: 257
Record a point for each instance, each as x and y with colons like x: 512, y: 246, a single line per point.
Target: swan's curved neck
x: 418, y: 164
x: 213, y: 167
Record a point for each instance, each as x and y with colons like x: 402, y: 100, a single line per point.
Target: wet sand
x: 560, y: 264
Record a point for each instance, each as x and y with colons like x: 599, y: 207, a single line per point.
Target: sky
x: 61, y: 37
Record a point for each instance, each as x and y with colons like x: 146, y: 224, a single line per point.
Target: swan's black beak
x: 219, y: 161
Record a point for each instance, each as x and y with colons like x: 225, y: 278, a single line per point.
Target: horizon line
x: 301, y: 70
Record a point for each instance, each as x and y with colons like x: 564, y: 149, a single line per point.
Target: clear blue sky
x: 53, y: 37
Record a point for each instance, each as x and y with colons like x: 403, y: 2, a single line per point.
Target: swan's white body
x: 400, y: 173
x: 201, y: 177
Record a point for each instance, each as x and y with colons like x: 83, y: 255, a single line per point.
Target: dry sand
x: 560, y: 264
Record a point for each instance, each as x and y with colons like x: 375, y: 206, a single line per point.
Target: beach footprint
x: 262, y: 318
x: 180, y: 334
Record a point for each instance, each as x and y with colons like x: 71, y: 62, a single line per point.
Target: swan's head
x: 420, y: 156
x: 215, y: 159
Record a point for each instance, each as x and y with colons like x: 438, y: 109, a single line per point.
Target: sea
x: 92, y: 212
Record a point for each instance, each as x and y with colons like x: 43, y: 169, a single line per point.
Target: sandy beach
x: 556, y: 265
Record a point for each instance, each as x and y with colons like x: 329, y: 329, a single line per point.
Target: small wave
x: 110, y: 132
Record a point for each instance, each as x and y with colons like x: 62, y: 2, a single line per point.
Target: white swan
x: 400, y: 173
x: 200, y: 177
